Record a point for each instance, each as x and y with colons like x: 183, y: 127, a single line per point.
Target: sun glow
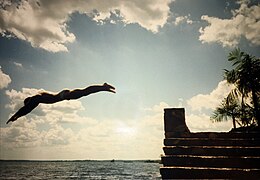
x: 125, y: 130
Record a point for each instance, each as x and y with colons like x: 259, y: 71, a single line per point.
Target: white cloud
x: 4, y: 79
x: 19, y: 65
x: 57, y: 135
x: 61, y: 127
x: 22, y: 134
x: 202, y: 123
x: 198, y: 120
x: 211, y: 100
x: 64, y: 111
x: 5, y: 3
x: 28, y: 131
x: 228, y: 32
x: 157, y: 108
x: 44, y: 23
x: 139, y: 138
x: 31, y: 22
x: 182, y: 19
x: 17, y: 97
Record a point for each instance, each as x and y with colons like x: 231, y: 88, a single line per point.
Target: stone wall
x: 208, y: 155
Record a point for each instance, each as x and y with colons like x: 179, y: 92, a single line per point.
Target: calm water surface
x: 79, y: 170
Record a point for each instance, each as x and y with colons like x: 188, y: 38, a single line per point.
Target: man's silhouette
x: 46, y: 98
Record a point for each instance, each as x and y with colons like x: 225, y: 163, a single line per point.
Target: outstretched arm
x: 78, y: 93
x: 29, y: 104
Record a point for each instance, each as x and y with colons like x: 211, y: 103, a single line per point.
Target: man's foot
x: 109, y: 88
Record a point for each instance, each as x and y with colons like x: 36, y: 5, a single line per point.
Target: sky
x: 157, y: 53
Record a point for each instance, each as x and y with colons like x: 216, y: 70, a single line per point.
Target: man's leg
x: 78, y: 93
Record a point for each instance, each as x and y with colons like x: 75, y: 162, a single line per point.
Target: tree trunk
x: 234, y: 122
x: 256, y: 106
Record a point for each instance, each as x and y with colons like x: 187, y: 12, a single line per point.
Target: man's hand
x: 109, y: 88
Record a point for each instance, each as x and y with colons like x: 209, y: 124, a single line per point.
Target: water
x: 79, y: 170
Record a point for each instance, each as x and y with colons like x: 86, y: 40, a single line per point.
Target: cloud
x: 17, y: 97
x: 43, y: 126
x: 211, y: 100
x: 22, y: 134
x: 202, y: 123
x: 94, y: 139
x: 182, y: 19
x: 62, y: 127
x: 138, y: 138
x: 44, y: 23
x: 198, y: 120
x: 31, y: 22
x: 19, y: 65
x: 228, y: 32
x: 158, y: 107
x: 57, y: 135
x: 5, y: 79
x: 64, y: 111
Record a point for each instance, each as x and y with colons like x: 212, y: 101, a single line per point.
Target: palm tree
x: 225, y: 110
x: 246, y: 77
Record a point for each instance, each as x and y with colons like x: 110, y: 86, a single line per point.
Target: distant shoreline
x: 113, y: 160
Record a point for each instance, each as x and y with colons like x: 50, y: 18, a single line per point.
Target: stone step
x: 231, y: 151
x: 210, y: 142
x: 208, y: 173
x: 212, y: 161
x: 212, y: 135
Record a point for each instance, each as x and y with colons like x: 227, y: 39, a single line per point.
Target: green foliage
x: 227, y: 109
x: 243, y: 103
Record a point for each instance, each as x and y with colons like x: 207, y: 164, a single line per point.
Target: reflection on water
x: 79, y: 170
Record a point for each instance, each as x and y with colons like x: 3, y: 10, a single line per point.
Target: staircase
x: 207, y: 155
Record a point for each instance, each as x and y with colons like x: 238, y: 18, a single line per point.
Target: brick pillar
x: 174, y: 122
